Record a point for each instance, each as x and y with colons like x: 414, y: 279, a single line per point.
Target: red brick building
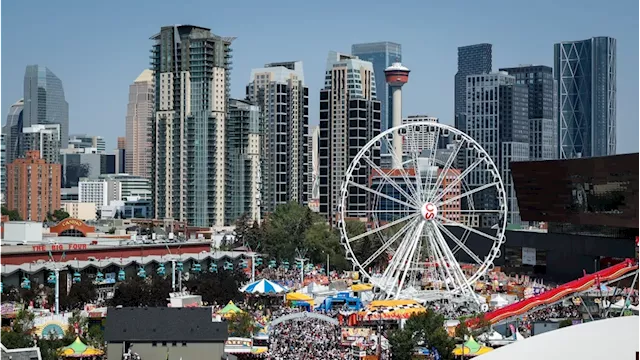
x: 33, y: 186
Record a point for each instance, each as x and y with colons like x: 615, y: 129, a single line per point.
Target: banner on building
x: 528, y: 256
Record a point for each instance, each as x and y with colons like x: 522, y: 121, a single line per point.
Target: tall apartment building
x: 138, y: 123
x: 586, y: 74
x: 84, y: 141
x: 192, y: 69
x: 280, y: 91
x: 12, y: 131
x: 313, y: 177
x: 44, y: 101
x: 3, y: 167
x: 349, y: 118
x: 43, y: 138
x: 243, y: 146
x: 33, y: 187
x: 543, y: 102
x: 472, y: 60
x: 497, y: 118
x: 381, y: 55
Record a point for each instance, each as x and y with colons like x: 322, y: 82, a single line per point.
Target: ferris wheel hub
x: 429, y: 211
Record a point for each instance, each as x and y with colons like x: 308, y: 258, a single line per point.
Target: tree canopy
x: 424, y: 329
x: 13, y: 215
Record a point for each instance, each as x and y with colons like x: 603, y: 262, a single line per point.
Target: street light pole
x: 173, y: 274
x: 57, y: 272
x: 253, y: 267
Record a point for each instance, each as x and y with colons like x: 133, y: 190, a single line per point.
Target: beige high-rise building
x: 192, y: 69
x: 139, y: 114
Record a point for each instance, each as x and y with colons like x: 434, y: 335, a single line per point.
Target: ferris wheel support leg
x: 440, y: 258
x: 464, y: 286
x: 391, y: 275
x: 407, y: 264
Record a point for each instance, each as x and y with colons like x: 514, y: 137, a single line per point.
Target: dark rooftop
x: 163, y: 324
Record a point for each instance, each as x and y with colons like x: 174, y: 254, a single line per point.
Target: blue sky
x: 99, y: 48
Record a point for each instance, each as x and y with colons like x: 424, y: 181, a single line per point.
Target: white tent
x: 314, y: 288
x: 498, y: 301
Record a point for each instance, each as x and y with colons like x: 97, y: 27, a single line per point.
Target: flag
x: 64, y: 255
x: 50, y: 255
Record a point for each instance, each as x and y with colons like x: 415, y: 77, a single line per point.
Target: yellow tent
x: 296, y: 296
x: 361, y: 287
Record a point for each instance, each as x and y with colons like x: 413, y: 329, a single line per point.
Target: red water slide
x: 556, y: 294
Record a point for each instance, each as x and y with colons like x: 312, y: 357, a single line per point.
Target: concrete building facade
x: 138, y: 124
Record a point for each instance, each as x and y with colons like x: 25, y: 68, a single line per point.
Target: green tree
x: 95, y: 335
x: 13, y: 215
x: 320, y: 240
x: 241, y: 325
x: 424, y: 329
x: 15, y: 340
x: 284, y: 230
x: 57, y: 215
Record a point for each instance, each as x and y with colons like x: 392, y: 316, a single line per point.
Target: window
x: 154, y: 344
x: 184, y: 343
x: 164, y: 343
x: 174, y: 344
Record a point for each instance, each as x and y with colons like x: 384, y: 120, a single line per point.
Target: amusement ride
x: 418, y: 212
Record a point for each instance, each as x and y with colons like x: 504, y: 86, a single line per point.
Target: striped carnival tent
x: 264, y: 286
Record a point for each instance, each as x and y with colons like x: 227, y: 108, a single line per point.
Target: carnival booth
x: 297, y: 299
x: 390, y: 310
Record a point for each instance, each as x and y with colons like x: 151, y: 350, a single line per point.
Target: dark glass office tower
x: 586, y: 75
x: 472, y: 60
x: 542, y: 114
x: 381, y: 55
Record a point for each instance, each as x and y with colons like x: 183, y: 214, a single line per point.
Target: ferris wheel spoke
x: 459, y: 277
x: 410, y: 254
x: 446, y: 168
x: 382, y: 227
x: 455, y: 223
x: 442, y: 259
x: 392, y: 273
x: 470, y: 192
x: 411, y: 206
x: 462, y: 245
x: 463, y: 239
x: 455, y: 182
x: 432, y: 158
x: 389, y: 242
x: 391, y: 181
x: 413, y: 149
x: 402, y: 170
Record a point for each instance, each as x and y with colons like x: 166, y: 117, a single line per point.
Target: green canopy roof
x: 472, y: 344
x: 230, y: 308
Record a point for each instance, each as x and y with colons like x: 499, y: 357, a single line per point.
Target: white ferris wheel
x: 421, y: 213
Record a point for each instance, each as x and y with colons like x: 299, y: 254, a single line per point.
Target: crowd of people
x: 306, y: 339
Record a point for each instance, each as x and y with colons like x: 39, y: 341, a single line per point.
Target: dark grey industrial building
x: 164, y: 333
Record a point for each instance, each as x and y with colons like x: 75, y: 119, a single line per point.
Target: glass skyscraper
x: 472, y: 60
x: 44, y: 101
x: 543, y: 102
x: 243, y: 139
x: 12, y: 131
x: 381, y: 55
x: 586, y: 75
